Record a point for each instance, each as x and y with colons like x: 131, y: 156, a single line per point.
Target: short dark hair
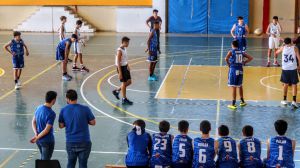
x: 240, y: 18
x: 50, y: 96
x: 155, y: 10
x: 275, y: 17
x: 205, y: 127
x: 71, y: 95
x: 78, y: 22
x: 63, y: 18
x: 281, y: 127
x: 164, y: 126
x: 125, y: 39
x: 248, y: 131
x: 235, y: 43
x: 17, y: 33
x: 223, y: 130
x: 140, y: 123
x: 74, y: 36
x: 183, y: 126
x: 287, y: 40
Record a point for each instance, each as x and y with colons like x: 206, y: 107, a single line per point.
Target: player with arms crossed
x: 280, y: 149
x: 162, y: 147
x: 204, y: 148
x: 249, y: 149
x: 182, y: 156
x: 289, y: 75
x: 239, y: 32
x: 273, y: 30
x: 235, y: 61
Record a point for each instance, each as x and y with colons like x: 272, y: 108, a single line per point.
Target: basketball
x: 258, y: 32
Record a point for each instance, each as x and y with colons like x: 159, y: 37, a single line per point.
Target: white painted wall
x: 46, y: 19
x: 133, y: 19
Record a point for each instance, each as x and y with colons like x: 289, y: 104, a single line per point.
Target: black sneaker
x: 116, y: 94
x: 126, y: 101
x: 69, y: 60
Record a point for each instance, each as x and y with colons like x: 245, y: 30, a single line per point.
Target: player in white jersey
x: 273, y: 30
x: 289, y: 75
x: 79, y: 44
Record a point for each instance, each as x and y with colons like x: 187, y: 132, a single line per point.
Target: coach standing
x: 152, y: 19
x: 76, y: 119
x: 42, y: 125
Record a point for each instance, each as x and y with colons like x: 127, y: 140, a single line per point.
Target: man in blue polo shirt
x: 42, y: 125
x: 76, y: 119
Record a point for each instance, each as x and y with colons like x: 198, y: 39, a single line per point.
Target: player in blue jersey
x: 139, y: 146
x: 204, y: 148
x: 280, y: 149
x: 236, y: 59
x: 162, y: 147
x: 16, y: 48
x: 182, y: 150
x: 239, y: 32
x: 226, y: 149
x: 62, y: 54
x: 152, y: 50
x: 249, y: 149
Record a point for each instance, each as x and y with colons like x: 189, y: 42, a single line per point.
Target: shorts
x: 60, y: 54
x: 273, y: 42
x: 18, y: 62
x: 289, y: 77
x: 242, y: 44
x: 125, y: 73
x: 78, y: 47
x: 235, y: 77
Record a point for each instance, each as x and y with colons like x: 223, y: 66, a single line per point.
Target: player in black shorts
x: 123, y: 71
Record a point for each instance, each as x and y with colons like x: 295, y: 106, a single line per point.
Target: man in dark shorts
x: 289, y: 75
x: 152, y: 19
x: 123, y: 71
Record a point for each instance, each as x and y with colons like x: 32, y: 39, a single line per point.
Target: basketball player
x: 273, y: 30
x: 162, y: 147
x: 235, y: 59
x: 204, y: 148
x: 123, y: 71
x: 239, y: 32
x: 280, y: 149
x: 289, y: 75
x: 182, y: 156
x: 62, y: 30
x: 226, y: 149
x: 249, y: 149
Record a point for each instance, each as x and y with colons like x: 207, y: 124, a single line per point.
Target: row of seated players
x: 165, y: 151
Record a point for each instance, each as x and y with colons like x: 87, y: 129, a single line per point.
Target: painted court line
x: 3, y: 164
x: 163, y: 81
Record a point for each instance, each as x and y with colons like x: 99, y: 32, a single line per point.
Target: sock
x: 81, y: 65
x: 284, y: 97
x: 16, y: 81
x: 64, y: 73
x: 74, y: 65
x: 233, y: 102
x: 294, y: 98
x: 242, y: 99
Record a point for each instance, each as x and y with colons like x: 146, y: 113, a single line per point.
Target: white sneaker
x: 294, y: 104
x: 66, y: 77
x: 17, y: 87
x: 19, y: 83
x: 284, y: 102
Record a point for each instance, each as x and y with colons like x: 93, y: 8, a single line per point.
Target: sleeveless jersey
x: 182, y: 151
x: 137, y: 154
x: 227, y: 152
x: 17, y: 47
x: 275, y: 29
x: 250, y: 152
x: 62, y: 45
x: 154, y: 41
x: 124, y: 58
x: 281, y: 152
x: 161, y: 150
x: 204, y: 153
x: 62, y: 34
x: 240, y: 31
x: 289, y: 59
x: 236, y: 59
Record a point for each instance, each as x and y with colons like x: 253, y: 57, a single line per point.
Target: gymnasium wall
x: 255, y: 14
x: 285, y: 10
x: 11, y: 16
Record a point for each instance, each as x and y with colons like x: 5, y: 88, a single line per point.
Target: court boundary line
x: 2, y: 72
x: 7, y: 160
x: 162, y: 83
